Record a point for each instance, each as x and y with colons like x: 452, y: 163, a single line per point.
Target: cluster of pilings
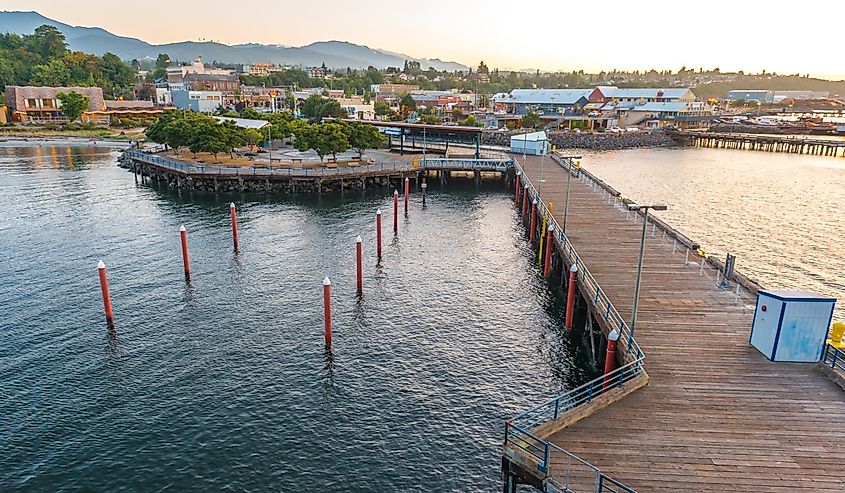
x: 327, y: 285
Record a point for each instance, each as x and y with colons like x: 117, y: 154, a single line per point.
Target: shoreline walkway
x: 716, y: 415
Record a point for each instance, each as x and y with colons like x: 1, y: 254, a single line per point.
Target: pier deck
x: 716, y: 415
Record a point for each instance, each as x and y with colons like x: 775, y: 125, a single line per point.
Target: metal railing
x: 397, y: 166
x: 834, y: 357
x: 567, y: 471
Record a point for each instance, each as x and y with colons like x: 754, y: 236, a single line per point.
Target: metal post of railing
x: 686, y: 258
x: 833, y: 358
x: 701, y: 270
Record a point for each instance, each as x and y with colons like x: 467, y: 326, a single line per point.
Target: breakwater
x: 604, y: 141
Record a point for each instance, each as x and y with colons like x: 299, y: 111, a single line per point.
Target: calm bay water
x: 224, y: 384
x: 783, y: 215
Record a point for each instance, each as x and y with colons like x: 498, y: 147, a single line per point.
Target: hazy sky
x: 784, y: 37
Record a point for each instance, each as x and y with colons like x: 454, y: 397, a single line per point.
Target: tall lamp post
x: 645, y: 209
x: 569, y: 161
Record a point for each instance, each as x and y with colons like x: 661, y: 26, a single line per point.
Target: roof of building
x: 546, y: 96
x: 244, y: 122
x: 644, y: 93
x: 530, y: 137
x: 16, y: 96
x: 115, y: 104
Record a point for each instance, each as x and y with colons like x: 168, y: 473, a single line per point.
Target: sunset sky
x: 797, y: 37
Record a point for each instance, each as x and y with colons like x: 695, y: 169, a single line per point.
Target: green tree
x: 73, y: 104
x: 316, y: 107
x: 531, y: 120
x: 482, y: 68
x: 363, y: 137
x: 250, y: 113
x: 324, y: 138
x: 47, y: 41
x: 470, y: 121
x: 407, y: 104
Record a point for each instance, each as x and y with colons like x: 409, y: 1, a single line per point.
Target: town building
x: 176, y: 73
x: 544, y: 102
x: 318, y: 72
x: 263, y: 69
x: 682, y: 114
x: 40, y: 105
x: 443, y: 100
x: 390, y: 92
x: 357, y: 109
x: 212, y: 82
x: 197, y: 101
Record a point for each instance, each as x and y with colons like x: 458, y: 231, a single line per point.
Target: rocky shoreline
x: 601, y: 141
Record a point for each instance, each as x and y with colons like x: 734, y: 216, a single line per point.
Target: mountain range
x: 335, y: 54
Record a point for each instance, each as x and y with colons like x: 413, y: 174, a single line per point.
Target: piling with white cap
x: 183, y: 233
x: 532, y: 232
x: 327, y: 311
x: 610, y: 356
x: 359, y: 262
x: 234, y: 215
x: 570, y: 295
x: 524, y: 200
x: 104, y: 286
x: 548, y: 262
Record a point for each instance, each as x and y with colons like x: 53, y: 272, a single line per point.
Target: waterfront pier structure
x: 691, y: 405
x: 767, y: 143
x: 184, y: 175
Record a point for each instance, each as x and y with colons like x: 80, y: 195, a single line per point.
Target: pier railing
x: 834, y: 358
x: 489, y: 164
x: 567, y: 471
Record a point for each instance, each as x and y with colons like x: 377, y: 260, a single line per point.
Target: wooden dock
x: 767, y: 143
x: 716, y: 415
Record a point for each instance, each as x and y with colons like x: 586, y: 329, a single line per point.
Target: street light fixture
x: 645, y: 209
x: 569, y: 160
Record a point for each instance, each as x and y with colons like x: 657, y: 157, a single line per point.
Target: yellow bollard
x: 543, y: 234
x: 837, y: 331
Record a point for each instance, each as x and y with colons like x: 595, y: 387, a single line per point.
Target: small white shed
x: 533, y: 143
x: 791, y: 325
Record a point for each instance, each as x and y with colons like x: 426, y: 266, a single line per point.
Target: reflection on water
x: 782, y: 214
x: 225, y: 383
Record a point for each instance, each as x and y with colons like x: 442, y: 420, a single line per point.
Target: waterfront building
x: 533, y: 143
x: 800, y: 95
x: 39, y: 105
x: 682, y: 114
x: 198, y: 101
x: 759, y: 95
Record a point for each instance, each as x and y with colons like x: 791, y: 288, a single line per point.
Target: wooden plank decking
x: 716, y: 414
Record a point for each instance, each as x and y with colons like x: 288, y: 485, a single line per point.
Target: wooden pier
x: 767, y: 143
x: 716, y: 415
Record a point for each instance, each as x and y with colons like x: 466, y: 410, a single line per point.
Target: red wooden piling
x: 524, y: 200
x: 378, y: 233
x: 327, y: 311
x: 406, y: 196
x: 610, y: 356
x: 359, y: 262
x: 548, y: 261
x: 516, y: 191
x: 183, y: 233
x: 104, y: 286
x: 570, y: 294
x: 396, y: 212
x: 234, y: 215
x: 533, y: 222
